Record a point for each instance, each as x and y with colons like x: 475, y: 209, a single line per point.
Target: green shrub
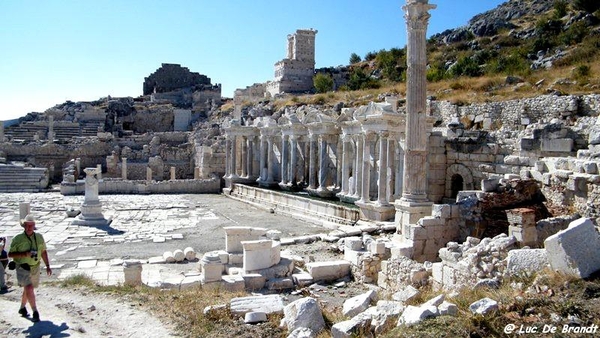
x: 354, y: 58
x: 582, y: 72
x: 575, y: 34
x: 322, y: 82
x: 370, y: 56
x: 435, y: 73
x: 560, y: 8
x: 589, y: 6
x: 513, y: 64
x: 465, y: 66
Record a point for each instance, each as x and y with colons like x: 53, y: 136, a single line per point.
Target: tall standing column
x: 322, y: 165
x: 284, y: 159
x: 345, y: 163
x: 233, y: 156
x: 123, y: 168
x: 263, y: 155
x: 227, y: 156
x: 415, y: 159
x: 382, y: 198
x: 244, y: 157
x: 51, y: 128
x: 414, y: 204
x: 366, y: 170
x: 358, y: 178
x: 270, y: 163
x: 312, y: 175
x: 294, y: 159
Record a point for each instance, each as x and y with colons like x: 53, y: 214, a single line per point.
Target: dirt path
x: 73, y: 313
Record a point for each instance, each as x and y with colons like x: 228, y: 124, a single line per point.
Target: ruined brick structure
x: 170, y: 77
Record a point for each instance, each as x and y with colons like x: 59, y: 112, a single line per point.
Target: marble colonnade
x: 357, y: 157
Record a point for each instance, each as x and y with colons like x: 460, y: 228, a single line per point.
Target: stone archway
x: 458, y: 177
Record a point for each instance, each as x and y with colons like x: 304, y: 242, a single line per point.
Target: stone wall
x: 172, y: 76
x: 118, y: 186
x: 517, y: 114
x: 210, y: 162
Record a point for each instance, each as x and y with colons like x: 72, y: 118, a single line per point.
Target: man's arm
x: 47, y: 262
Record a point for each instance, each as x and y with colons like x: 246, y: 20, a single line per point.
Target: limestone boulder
x: 526, y: 260
x: 483, y: 306
x: 267, y: 304
x: 385, y: 314
x: 574, y: 251
x: 328, y: 271
x: 303, y: 313
x: 415, y: 314
x: 358, y: 304
x: 358, y: 326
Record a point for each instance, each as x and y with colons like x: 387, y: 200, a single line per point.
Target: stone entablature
x: 294, y: 74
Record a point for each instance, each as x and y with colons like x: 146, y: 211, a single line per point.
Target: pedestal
x: 408, y: 212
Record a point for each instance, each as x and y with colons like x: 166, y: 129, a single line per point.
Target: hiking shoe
x: 35, y: 317
x: 23, y: 312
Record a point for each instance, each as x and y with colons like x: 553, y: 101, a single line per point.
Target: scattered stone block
x: 302, y: 279
x: 168, y: 257
x: 280, y: 284
x: 255, y: 317
x: 526, y: 260
x: 385, y: 312
x: 353, y: 243
x: 233, y: 283
x: 447, y: 309
x: 350, y: 328
x: 328, y: 271
x: 483, y: 306
x: 415, y: 314
x: 190, y: 254
x: 267, y: 304
x: 303, y: 313
x: 358, y: 304
x: 405, y: 294
x: 574, y: 251
x: 178, y: 255
x: 254, y: 281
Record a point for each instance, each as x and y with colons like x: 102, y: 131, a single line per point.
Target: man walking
x: 26, y: 249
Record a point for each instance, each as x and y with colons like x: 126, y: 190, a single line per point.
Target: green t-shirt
x: 22, y: 243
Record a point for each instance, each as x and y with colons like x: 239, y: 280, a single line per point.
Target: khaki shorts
x: 28, y: 277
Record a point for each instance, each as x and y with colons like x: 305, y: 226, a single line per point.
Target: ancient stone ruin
x: 412, y: 191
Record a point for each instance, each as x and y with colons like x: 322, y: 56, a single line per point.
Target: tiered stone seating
x: 16, y: 178
x: 26, y: 130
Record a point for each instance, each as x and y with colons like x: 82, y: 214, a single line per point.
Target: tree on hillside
x: 360, y: 80
x: 589, y: 6
x: 370, y: 56
x: 392, y: 63
x: 322, y: 82
x: 354, y: 58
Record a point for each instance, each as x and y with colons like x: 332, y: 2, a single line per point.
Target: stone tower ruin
x: 294, y: 74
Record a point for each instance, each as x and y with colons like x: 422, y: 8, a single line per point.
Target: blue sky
x: 52, y: 51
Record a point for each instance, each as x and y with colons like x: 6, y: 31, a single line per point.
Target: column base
x: 268, y: 184
x: 320, y: 192
x: 409, y: 212
x: 376, y: 212
x: 347, y: 198
x: 91, y: 215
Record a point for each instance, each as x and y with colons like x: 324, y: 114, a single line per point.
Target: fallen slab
x: 574, y: 251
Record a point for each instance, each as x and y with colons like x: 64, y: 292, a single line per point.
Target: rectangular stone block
x: 302, y: 279
x: 267, y: 304
x: 557, y: 145
x: 574, y: 251
x: 254, y: 281
x: 328, y: 271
